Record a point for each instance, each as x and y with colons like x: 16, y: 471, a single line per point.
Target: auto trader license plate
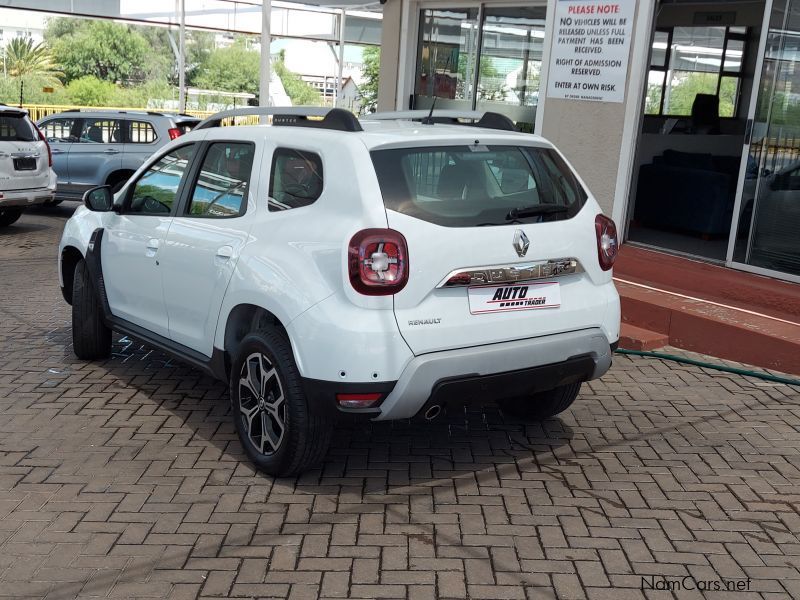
x: 521, y: 296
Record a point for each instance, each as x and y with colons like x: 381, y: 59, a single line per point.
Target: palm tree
x: 24, y: 59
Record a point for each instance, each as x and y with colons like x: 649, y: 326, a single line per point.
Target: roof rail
x: 488, y: 120
x: 337, y: 119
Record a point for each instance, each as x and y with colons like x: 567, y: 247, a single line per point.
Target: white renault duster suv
x: 26, y: 165
x: 389, y: 267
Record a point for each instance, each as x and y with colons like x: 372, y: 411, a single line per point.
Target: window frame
x: 272, y: 169
x: 74, y: 130
x: 194, y: 170
x: 126, y: 134
x: 82, y: 121
x: 665, y: 68
x: 179, y: 194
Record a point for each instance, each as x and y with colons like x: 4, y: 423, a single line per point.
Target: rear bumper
x: 498, y: 370
x: 22, y: 198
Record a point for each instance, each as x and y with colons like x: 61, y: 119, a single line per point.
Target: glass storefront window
x: 686, y: 61
x: 446, y: 58
x: 769, y: 214
x: 658, y: 56
x: 487, y: 58
x: 509, y: 74
x: 734, y: 54
x: 655, y: 89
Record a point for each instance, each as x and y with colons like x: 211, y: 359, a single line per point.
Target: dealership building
x: 681, y: 116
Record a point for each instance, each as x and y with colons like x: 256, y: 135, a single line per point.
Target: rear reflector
x: 357, y: 400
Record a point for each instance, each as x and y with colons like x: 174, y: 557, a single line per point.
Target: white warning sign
x: 589, y: 59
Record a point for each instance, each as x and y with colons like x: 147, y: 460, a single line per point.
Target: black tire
x: 306, y: 430
x: 542, y: 405
x: 90, y: 337
x: 8, y: 216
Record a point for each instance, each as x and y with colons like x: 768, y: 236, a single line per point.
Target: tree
x: 199, y: 47
x: 24, y: 59
x: 370, y: 71
x: 91, y: 91
x: 28, y: 62
x: 685, y: 86
x: 109, y: 51
x: 298, y: 90
x: 231, y: 69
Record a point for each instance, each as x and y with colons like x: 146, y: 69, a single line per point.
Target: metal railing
x: 40, y: 111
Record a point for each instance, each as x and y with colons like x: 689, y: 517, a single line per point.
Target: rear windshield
x: 15, y: 128
x: 478, y: 185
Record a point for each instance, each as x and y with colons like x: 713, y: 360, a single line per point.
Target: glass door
x: 765, y: 236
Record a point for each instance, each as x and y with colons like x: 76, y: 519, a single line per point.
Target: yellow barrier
x: 40, y: 111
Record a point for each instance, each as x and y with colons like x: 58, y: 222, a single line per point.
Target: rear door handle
x: 111, y: 151
x: 152, y: 244
x: 225, y: 252
x: 56, y: 151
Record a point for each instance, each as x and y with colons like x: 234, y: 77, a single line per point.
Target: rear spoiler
x: 13, y: 112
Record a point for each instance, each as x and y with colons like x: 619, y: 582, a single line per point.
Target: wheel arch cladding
x: 242, y: 320
x: 70, y: 256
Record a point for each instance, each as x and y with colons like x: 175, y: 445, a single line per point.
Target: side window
x: 295, y: 180
x: 59, y: 130
x: 155, y: 191
x: 141, y: 132
x: 100, y: 131
x: 221, y: 189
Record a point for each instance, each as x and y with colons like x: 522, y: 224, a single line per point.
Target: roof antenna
x: 429, y: 119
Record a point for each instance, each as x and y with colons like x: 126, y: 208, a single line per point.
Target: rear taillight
x: 607, y: 244
x: 47, y: 144
x: 378, y: 262
x: 174, y: 133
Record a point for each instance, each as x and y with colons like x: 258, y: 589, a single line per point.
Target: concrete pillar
x: 266, y: 67
x: 182, y: 57
x: 390, y: 55
x: 338, y: 99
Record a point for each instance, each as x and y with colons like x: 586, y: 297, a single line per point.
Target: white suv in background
x: 389, y: 267
x: 26, y: 165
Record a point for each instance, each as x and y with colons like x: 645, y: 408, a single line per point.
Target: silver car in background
x: 26, y: 174
x: 92, y: 148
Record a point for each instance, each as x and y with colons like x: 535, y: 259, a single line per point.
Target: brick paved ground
x: 125, y: 479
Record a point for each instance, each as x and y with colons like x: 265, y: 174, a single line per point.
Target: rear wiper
x: 514, y: 220
x: 538, y: 209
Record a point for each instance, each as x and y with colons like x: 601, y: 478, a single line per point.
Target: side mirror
x: 99, y: 199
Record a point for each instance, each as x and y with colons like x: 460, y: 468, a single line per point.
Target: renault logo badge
x: 521, y: 242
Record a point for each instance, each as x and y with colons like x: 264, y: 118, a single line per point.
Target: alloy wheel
x: 262, y: 404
